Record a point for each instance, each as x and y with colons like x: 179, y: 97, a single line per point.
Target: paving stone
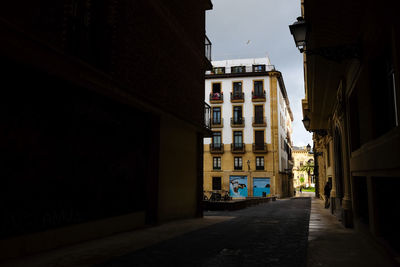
x: 271, y: 234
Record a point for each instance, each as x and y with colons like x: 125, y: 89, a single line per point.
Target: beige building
x: 249, y: 153
x: 300, y: 158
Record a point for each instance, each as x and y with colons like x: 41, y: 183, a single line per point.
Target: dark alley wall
x: 150, y: 47
x: 67, y: 155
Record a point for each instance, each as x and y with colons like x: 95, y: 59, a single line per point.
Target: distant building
x: 102, y: 118
x: 249, y: 153
x: 302, y: 157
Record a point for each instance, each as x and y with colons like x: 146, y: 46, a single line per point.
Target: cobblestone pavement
x: 271, y: 234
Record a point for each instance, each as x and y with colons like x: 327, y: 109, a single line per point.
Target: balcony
x: 219, y: 70
x: 207, y: 115
x: 216, y: 148
x: 258, y: 68
x: 253, y: 70
x: 208, y: 53
x: 237, y: 97
x: 259, y: 147
x: 237, y: 123
x: 259, y: 122
x: 238, y: 148
x: 216, y: 98
x: 258, y: 96
x: 215, y: 123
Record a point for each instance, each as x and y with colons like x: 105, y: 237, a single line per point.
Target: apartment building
x: 249, y: 154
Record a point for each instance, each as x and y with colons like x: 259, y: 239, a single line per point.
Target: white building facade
x: 251, y: 123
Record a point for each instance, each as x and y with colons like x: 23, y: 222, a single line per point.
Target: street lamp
x: 306, y: 121
x: 299, y: 31
x: 308, y: 147
x: 335, y: 53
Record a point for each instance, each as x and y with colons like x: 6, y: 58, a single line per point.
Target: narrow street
x: 285, y: 232
x: 271, y: 234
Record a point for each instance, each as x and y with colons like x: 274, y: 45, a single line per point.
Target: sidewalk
x: 330, y: 244
x: 96, y: 251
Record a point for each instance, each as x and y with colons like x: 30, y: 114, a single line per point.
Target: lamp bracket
x: 336, y: 53
x: 320, y: 132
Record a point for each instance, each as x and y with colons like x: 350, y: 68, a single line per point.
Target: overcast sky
x: 231, y: 24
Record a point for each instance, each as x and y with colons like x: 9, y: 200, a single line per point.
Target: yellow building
x: 249, y: 153
x: 300, y: 158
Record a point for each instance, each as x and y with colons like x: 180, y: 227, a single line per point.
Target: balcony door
x: 258, y: 88
x: 259, y: 139
x: 237, y: 89
x: 216, y: 115
x: 258, y: 112
x: 238, y: 139
x: 216, y: 88
x: 216, y: 139
x: 237, y: 114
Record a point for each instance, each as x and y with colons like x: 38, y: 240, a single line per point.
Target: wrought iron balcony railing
x: 259, y: 122
x: 259, y: 147
x: 217, y: 148
x: 216, y: 97
x: 238, y: 148
x: 237, y: 122
x: 258, y: 95
x: 217, y: 123
x: 207, y: 116
x: 237, y: 97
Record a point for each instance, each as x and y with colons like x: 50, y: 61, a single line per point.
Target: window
x: 259, y: 163
x: 238, y: 163
x: 238, y: 139
x: 216, y: 139
x: 216, y: 163
x: 237, y: 88
x: 237, y: 115
x: 216, y: 88
x: 258, y: 68
x: 238, y: 69
x: 258, y: 88
x: 216, y: 183
x: 216, y: 115
x: 219, y: 70
x: 301, y: 163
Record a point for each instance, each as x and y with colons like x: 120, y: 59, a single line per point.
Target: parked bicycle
x: 226, y: 196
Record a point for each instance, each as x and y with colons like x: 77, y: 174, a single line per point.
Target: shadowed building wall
x: 96, y: 97
x: 352, y: 101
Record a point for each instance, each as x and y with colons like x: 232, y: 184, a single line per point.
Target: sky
x: 259, y: 28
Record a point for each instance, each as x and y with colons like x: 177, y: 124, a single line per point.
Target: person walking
x: 327, y: 193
